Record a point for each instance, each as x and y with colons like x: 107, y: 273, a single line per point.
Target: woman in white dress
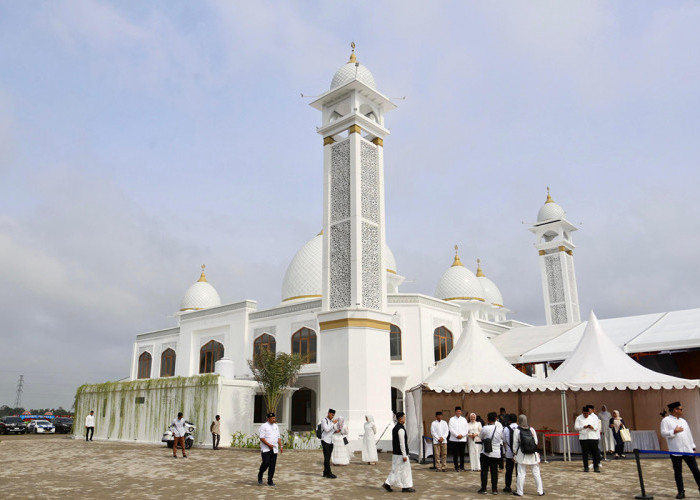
x: 369, y: 447
x: 341, y: 452
x: 473, y: 430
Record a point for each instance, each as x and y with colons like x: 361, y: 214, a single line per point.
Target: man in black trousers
x: 328, y: 428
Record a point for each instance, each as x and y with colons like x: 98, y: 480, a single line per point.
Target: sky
x: 139, y: 140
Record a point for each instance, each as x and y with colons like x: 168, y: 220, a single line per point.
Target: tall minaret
x: 556, y: 251
x: 354, y: 346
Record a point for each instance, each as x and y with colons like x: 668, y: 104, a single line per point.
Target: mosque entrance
x: 303, y: 409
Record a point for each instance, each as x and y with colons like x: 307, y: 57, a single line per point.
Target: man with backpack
x: 525, y: 453
x: 325, y: 430
x: 508, y: 445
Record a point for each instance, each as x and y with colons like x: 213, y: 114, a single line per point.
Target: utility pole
x: 18, y: 398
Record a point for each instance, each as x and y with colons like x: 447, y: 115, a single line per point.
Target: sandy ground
x: 60, y: 467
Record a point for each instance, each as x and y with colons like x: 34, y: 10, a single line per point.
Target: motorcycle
x: 169, y: 440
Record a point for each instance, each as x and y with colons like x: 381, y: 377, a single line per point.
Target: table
x: 642, y: 440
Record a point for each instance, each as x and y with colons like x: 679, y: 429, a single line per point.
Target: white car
x: 41, y: 426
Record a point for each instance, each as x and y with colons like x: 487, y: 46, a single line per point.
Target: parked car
x: 13, y: 425
x: 39, y: 426
x: 63, y: 424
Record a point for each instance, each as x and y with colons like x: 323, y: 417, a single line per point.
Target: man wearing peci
x: 459, y: 428
x: 679, y: 438
x: 270, y: 446
x: 328, y: 428
x: 439, y: 430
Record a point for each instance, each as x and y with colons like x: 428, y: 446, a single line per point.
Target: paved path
x: 61, y: 467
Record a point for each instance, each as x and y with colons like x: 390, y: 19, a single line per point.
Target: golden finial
x: 479, y: 272
x: 457, y: 262
x: 549, y: 198
x: 352, y: 56
x: 202, y: 277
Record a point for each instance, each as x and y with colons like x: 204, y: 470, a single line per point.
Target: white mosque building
x: 364, y: 342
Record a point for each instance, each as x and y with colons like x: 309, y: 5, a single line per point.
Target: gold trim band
x: 542, y: 252
x: 354, y: 129
x: 465, y: 298
x: 570, y: 252
x: 356, y: 323
x: 497, y: 305
x: 562, y: 248
x: 378, y: 141
x: 328, y: 140
x: 303, y: 297
x: 391, y: 271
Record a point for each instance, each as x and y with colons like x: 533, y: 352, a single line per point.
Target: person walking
x: 679, y: 438
x: 369, y: 446
x: 179, y: 427
x: 588, y: 432
x: 328, y: 428
x: 90, y: 425
x: 458, y: 437
x: 525, y: 453
x: 439, y: 430
x: 616, y: 424
x: 270, y: 447
x: 491, y: 438
x: 473, y: 429
x: 400, y: 475
x: 508, y: 447
x: 215, y: 429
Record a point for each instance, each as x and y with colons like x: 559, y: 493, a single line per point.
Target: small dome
x: 459, y: 283
x: 352, y: 71
x: 200, y: 295
x: 492, y: 294
x: 550, y: 210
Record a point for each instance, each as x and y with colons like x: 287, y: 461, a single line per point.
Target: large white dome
x: 201, y: 295
x: 492, y: 294
x: 352, y: 71
x: 459, y: 283
x: 304, y: 277
x: 550, y: 210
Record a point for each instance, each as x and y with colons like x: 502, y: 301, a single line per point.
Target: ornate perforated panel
x: 559, y: 314
x: 572, y: 279
x: 552, y: 267
x: 371, y: 267
x: 340, y: 181
x: 340, y: 266
x: 370, y: 181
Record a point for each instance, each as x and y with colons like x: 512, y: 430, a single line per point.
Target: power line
x: 18, y: 398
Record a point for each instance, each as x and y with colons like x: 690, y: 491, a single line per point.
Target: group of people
x: 590, y: 425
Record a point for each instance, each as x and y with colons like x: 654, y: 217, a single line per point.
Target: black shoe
x: 174, y: 456
x: 482, y: 491
x: 270, y: 483
x: 681, y: 495
x: 387, y: 487
x: 260, y: 482
x: 507, y: 489
x: 494, y: 492
x: 585, y: 469
x: 596, y: 469
x: 407, y: 490
x: 540, y: 494
x: 330, y: 476
x: 516, y: 494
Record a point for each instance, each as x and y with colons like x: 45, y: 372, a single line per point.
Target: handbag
x: 345, y: 441
x: 488, y: 442
x: 626, y: 435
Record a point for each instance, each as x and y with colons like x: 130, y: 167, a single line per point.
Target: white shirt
x: 458, y: 426
x: 599, y: 427
x: 328, y: 428
x: 506, y: 439
x: 90, y: 421
x: 495, y: 433
x: 270, y: 433
x: 439, y: 429
x: 680, y: 441
x: 402, y: 442
x: 582, y: 422
x: 179, y: 427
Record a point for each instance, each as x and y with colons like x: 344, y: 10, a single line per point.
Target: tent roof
x: 598, y: 363
x: 475, y: 365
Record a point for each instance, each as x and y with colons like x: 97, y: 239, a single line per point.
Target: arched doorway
x: 396, y: 400
x: 303, y: 409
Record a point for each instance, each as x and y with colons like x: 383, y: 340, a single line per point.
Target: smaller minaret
x: 556, y: 254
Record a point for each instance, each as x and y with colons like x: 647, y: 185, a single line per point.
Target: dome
x: 550, y: 210
x: 352, y: 71
x: 304, y: 276
x: 459, y: 283
x: 492, y: 294
x: 200, y: 295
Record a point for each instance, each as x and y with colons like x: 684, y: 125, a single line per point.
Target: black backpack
x: 319, y: 431
x: 527, y: 442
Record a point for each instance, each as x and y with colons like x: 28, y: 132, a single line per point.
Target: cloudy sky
x: 139, y: 140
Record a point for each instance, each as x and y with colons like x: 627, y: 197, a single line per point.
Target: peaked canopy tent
x: 478, y: 378
x: 599, y: 372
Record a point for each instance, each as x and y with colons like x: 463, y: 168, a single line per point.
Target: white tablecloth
x: 643, y: 440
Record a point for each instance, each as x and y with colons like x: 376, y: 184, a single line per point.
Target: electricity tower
x: 18, y: 398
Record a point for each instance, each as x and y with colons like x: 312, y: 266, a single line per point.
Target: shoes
x: 516, y: 494
x: 259, y: 482
x: 681, y: 495
x: 271, y: 484
x: 585, y: 469
x: 461, y: 469
x: 540, y: 494
x: 184, y: 456
x: 174, y: 456
x: 596, y: 469
x: 494, y: 492
x: 330, y: 476
x: 507, y: 489
x: 407, y: 490
x: 482, y: 491
x: 387, y: 487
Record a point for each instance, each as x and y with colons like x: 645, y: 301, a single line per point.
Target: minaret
x: 354, y: 345
x: 556, y: 251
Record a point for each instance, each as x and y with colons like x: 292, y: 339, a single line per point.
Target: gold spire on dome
x: 479, y: 272
x: 549, y: 198
x: 202, y: 277
x: 352, y: 56
x: 457, y: 262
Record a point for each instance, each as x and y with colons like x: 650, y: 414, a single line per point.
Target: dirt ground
x: 57, y: 466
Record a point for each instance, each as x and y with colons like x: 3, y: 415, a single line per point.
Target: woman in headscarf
x: 369, y: 447
x: 607, y: 435
x: 473, y: 441
x: 616, y: 424
x: 341, y: 453
x: 525, y: 455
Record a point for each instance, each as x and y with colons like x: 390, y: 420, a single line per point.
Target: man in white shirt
x: 90, y: 425
x: 490, y: 459
x: 588, y: 427
x: 328, y: 428
x: 439, y: 430
x: 679, y: 438
x: 179, y: 427
x: 270, y: 446
x: 400, y: 475
x: 508, y: 446
x: 459, y: 428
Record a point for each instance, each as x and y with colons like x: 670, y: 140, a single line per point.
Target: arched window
x: 210, y: 353
x: 442, y: 342
x: 145, y: 365
x: 265, y: 341
x: 395, y: 342
x: 167, y: 363
x: 304, y: 344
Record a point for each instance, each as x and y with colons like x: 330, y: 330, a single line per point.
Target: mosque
x: 364, y: 343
